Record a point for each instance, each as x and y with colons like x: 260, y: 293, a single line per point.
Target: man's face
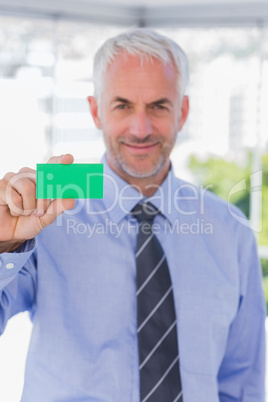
x: 140, y: 116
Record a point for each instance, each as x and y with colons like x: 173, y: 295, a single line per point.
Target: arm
x: 22, y: 217
x: 242, y: 374
x: 17, y: 282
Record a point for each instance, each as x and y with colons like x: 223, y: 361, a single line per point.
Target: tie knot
x: 144, y: 212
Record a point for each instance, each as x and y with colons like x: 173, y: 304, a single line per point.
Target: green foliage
x: 264, y: 264
x: 265, y: 170
x: 265, y: 286
x: 263, y: 240
x: 223, y: 177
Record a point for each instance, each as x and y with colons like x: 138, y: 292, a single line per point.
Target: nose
x: 140, y: 125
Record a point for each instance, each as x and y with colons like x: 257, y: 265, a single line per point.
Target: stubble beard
x: 134, y: 171
x: 131, y: 170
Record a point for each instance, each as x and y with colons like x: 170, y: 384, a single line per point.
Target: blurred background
x: 46, y: 57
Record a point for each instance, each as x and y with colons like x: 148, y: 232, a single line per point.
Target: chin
x: 141, y: 173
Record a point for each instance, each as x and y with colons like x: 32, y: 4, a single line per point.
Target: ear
x: 184, y: 112
x: 94, y: 109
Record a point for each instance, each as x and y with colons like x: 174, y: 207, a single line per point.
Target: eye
x: 159, y: 106
x: 121, y: 106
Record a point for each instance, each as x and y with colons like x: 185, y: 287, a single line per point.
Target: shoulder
x: 200, y: 202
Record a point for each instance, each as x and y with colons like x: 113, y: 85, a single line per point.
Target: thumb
x: 64, y: 159
x: 56, y: 208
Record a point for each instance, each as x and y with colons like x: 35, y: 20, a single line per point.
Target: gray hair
x: 145, y: 43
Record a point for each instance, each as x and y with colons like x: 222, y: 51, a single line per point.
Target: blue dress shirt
x: 77, y: 279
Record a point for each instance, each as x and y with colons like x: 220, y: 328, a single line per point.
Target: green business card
x: 77, y: 180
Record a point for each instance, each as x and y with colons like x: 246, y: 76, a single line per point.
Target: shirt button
x: 10, y: 265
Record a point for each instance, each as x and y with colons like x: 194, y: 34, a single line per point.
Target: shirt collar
x: 119, y: 197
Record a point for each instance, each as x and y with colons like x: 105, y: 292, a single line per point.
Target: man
x: 80, y: 274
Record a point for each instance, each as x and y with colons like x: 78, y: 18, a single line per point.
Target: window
x: 46, y: 75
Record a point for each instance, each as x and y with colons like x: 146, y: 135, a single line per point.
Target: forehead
x: 127, y: 73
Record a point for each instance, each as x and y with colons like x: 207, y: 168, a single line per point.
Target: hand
x: 22, y: 216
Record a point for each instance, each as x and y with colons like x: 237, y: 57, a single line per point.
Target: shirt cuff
x: 11, y: 263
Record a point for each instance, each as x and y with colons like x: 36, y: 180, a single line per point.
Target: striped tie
x: 157, y: 334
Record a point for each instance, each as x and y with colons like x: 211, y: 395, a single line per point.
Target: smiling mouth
x: 141, y: 148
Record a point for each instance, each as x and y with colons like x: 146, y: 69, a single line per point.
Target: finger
x: 24, y: 182
x: 64, y: 159
x: 13, y: 200
x: 28, y: 173
x: 56, y: 208
x: 27, y: 190
x: 27, y: 170
x: 3, y: 187
x: 42, y: 206
x: 10, y: 196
